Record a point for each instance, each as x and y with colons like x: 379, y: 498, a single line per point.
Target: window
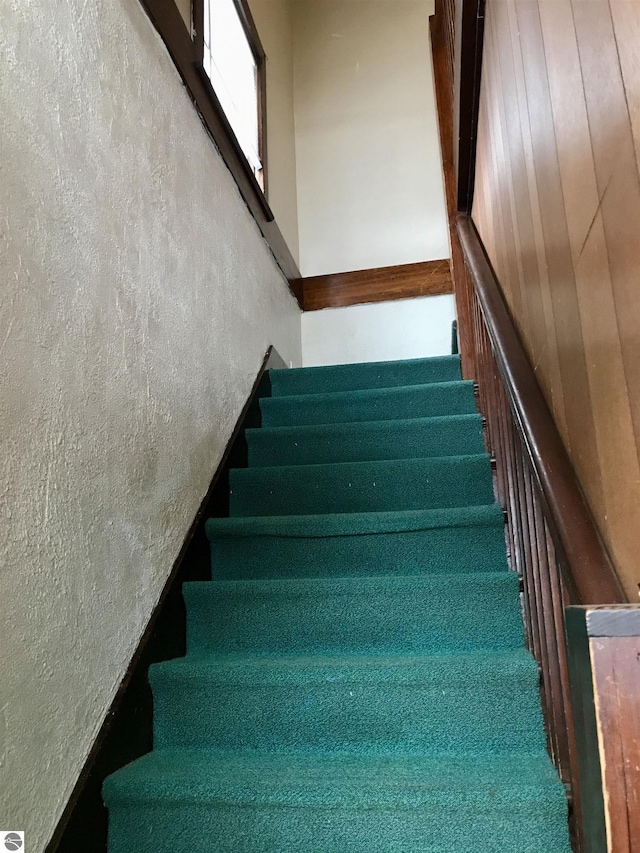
x: 233, y: 60
x: 186, y: 47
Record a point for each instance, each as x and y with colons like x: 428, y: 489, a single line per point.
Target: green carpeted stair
x: 356, y: 679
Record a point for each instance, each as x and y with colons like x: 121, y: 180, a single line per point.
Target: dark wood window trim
x: 469, y: 44
x: 251, y: 32
x: 186, y: 55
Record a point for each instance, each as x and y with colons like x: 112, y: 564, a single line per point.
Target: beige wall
x: 353, y: 155
x: 274, y: 22
x: 138, y: 299
x: 380, y: 331
x: 368, y: 164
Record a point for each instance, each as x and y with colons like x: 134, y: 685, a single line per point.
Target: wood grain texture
x: 557, y: 205
x: 616, y: 681
x: 404, y: 281
x: 442, y: 47
x: 603, y: 646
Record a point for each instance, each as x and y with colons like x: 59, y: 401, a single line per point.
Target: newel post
x: 603, y: 649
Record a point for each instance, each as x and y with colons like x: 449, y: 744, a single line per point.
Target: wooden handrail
x: 588, y: 672
x: 591, y: 573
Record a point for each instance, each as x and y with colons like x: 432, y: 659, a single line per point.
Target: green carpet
x: 366, y: 441
x: 356, y: 679
x: 380, y: 404
x: 357, y: 377
x: 388, y: 484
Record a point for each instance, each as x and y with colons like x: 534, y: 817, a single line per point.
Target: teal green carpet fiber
x: 356, y: 679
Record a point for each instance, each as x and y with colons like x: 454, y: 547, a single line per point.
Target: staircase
x: 356, y: 679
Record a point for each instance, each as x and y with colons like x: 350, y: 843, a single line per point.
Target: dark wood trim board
x: 469, y: 67
x: 337, y: 290
x: 127, y: 731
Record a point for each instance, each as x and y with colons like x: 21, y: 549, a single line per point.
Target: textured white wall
x: 138, y: 299
x: 369, y: 172
x: 382, y: 331
x: 274, y: 22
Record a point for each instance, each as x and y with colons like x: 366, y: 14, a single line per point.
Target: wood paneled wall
x: 557, y: 204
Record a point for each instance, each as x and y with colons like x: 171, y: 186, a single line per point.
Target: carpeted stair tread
x: 432, y: 704
x: 388, y: 614
x: 397, y: 439
x: 257, y: 803
x: 366, y: 375
x: 219, y: 776
x: 361, y: 486
x: 415, y: 401
x: 320, y: 525
x: 474, y: 670
x: 459, y: 539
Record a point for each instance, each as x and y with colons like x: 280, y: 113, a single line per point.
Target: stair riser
x: 427, y: 401
x: 352, y: 377
x: 363, y: 621
x: 408, y: 440
x: 377, y: 717
x: 403, y: 484
x: 529, y: 828
x: 433, y: 551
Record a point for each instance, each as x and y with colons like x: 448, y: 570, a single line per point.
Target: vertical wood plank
x: 616, y: 173
x: 612, y: 412
x: 626, y: 27
x: 533, y: 320
x: 570, y: 121
x: 578, y: 403
x: 552, y: 382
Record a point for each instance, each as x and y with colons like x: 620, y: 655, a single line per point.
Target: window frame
x: 251, y: 33
x: 179, y: 41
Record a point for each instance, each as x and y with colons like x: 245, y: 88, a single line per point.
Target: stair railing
x: 552, y: 541
x: 578, y: 624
